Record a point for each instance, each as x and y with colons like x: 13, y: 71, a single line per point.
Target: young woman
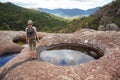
x: 31, y: 38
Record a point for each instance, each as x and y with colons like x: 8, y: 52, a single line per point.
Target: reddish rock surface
x: 106, y: 41
x: 105, y: 68
x: 6, y: 41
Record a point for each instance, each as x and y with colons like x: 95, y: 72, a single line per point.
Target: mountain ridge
x: 69, y: 12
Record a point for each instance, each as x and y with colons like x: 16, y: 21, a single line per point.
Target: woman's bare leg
x: 31, y: 54
x: 34, y: 54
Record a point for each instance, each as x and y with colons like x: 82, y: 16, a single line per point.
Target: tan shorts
x: 32, y: 44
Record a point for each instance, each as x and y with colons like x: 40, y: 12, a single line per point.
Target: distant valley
x: 69, y: 12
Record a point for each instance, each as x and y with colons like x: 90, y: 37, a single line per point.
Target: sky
x: 65, y: 4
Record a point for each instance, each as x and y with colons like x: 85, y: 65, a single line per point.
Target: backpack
x: 30, y: 32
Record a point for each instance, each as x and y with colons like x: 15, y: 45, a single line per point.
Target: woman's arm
x: 36, y: 34
x: 26, y: 35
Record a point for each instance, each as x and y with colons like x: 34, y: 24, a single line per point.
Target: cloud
x: 52, y: 4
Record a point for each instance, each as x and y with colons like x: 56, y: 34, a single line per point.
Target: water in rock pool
x: 6, y: 58
x: 65, y: 57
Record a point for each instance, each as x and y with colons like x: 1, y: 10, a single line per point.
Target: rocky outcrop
x: 8, y: 39
x: 108, y: 27
x: 112, y: 27
x: 107, y: 14
x: 101, y: 28
x: 105, y: 68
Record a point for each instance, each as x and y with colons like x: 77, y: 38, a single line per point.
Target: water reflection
x: 65, y: 57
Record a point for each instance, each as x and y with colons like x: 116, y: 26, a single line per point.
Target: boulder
x: 112, y: 27
x: 105, y: 68
x: 6, y: 41
x: 108, y: 27
x: 101, y: 28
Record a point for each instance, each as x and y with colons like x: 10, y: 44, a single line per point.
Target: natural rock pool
x: 6, y: 58
x: 65, y: 57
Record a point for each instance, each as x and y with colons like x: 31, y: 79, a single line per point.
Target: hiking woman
x: 31, y: 38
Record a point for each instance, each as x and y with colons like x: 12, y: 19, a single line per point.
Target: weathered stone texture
x: 105, y: 68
